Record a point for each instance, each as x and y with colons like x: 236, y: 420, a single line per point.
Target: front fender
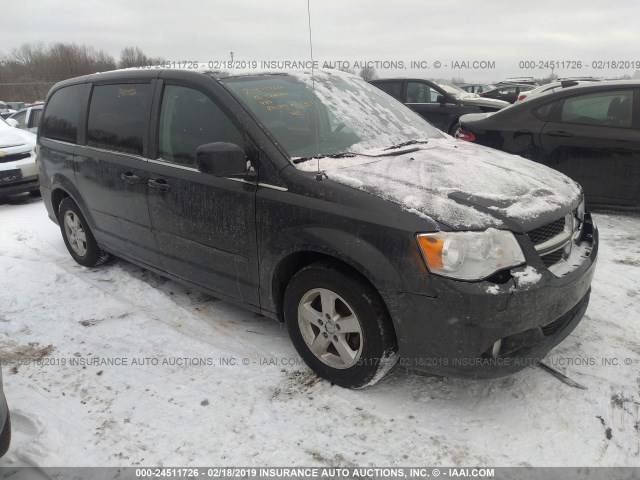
x: 383, y: 269
x: 353, y: 250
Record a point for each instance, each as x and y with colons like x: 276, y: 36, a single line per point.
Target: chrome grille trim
x: 560, y: 240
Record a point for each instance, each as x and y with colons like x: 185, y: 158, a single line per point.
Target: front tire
x: 77, y: 235
x: 339, y: 326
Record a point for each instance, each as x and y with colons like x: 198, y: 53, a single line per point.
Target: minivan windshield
x: 329, y: 114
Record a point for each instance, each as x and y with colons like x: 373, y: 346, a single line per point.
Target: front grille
x: 546, y: 232
x: 14, y: 156
x: 553, y: 257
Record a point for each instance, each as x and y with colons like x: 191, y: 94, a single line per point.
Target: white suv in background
x: 27, y: 119
x: 18, y: 169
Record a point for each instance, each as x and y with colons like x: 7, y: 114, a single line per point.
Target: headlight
x: 470, y: 255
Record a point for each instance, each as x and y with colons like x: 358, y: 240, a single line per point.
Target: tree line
x: 29, y: 71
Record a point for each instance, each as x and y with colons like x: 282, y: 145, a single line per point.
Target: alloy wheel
x: 330, y: 328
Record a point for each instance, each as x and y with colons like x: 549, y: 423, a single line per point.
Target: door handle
x: 160, y: 184
x: 558, y: 133
x: 130, y: 178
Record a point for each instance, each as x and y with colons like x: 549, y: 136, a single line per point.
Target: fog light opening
x: 495, y: 349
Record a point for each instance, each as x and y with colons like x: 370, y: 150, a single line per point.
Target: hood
x: 14, y: 137
x: 484, y: 102
x: 461, y: 185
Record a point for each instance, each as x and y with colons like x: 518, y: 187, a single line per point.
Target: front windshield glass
x: 345, y: 114
x: 454, y: 90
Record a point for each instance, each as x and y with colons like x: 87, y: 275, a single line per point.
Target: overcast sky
x: 504, y: 32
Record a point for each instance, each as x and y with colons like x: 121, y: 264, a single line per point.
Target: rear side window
x: 188, y: 119
x: 612, y: 109
x: 118, y: 117
x: 392, y: 88
x: 543, y: 112
x: 60, y: 121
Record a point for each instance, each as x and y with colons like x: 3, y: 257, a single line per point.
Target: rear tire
x: 339, y: 326
x: 77, y: 235
x: 454, y: 129
x: 5, y: 436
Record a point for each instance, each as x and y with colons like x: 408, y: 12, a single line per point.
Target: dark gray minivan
x: 319, y: 200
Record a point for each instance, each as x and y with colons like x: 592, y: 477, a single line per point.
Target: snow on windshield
x: 331, y: 112
x: 457, y: 183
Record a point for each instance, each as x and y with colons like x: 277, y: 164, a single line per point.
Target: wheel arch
x: 456, y: 121
x: 62, y: 187
x: 292, y: 263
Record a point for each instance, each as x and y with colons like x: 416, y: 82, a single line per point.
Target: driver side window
x: 188, y: 119
x: 421, y: 93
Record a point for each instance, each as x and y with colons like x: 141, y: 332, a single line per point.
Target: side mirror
x: 441, y: 99
x: 221, y: 159
x: 13, y: 122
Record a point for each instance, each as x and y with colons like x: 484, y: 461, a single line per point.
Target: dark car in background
x: 16, y: 105
x: 507, y: 92
x: 553, y: 86
x: 518, y: 80
x: 475, y: 87
x: 5, y: 421
x: 589, y: 131
x: 439, y: 103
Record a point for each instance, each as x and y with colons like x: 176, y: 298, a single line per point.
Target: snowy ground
x: 53, y: 312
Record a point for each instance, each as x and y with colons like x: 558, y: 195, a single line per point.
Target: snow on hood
x: 459, y: 184
x: 12, y: 137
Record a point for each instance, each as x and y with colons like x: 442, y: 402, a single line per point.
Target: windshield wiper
x: 405, y: 144
x: 326, y: 155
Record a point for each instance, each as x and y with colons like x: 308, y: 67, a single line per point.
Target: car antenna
x: 313, y: 88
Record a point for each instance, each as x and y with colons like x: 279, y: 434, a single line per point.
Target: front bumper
x: 25, y: 184
x: 455, y: 333
x: 29, y: 176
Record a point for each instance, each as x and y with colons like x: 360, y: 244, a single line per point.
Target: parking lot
x: 117, y: 366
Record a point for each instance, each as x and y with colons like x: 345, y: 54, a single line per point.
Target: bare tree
x: 131, y: 57
x: 30, y: 70
x: 368, y: 73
